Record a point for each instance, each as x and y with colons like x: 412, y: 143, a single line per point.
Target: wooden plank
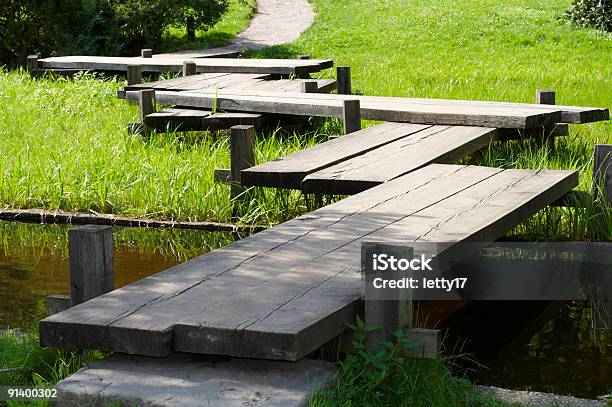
x: 207, y: 53
x: 282, y: 293
x: 439, y: 144
x: 199, y: 120
x: 289, y: 171
x: 234, y: 65
x: 196, y: 82
x: 372, y: 108
x: 568, y: 114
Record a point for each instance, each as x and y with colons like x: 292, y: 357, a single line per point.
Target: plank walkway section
x: 174, y: 119
x: 437, y: 144
x: 183, y: 380
x: 231, y: 65
x: 363, y: 159
x: 371, y: 108
x: 233, y: 82
x: 284, y: 292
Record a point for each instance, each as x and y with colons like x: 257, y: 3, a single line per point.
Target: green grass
x: 236, y: 19
x: 67, y: 148
x: 31, y: 365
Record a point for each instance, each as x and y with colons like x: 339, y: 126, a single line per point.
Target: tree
x: 144, y: 21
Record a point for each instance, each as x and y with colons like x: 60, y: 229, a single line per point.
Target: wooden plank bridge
x: 286, y: 291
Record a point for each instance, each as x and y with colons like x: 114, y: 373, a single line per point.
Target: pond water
x: 531, y: 345
x: 34, y: 261
x: 542, y: 346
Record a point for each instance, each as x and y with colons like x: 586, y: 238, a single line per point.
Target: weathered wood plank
x: 234, y: 65
x: 92, y: 270
x: 372, y: 108
x: 284, y: 292
x: 177, y: 119
x: 289, y: 171
x: 568, y: 114
x: 439, y: 144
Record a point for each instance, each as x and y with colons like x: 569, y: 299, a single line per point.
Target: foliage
x: 101, y: 27
x: 594, y: 13
x: 236, y: 19
x: 26, y: 363
x: 52, y: 26
x: 144, y: 21
x: 388, y: 376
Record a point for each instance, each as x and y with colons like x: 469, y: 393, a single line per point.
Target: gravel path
x: 536, y: 399
x: 276, y: 22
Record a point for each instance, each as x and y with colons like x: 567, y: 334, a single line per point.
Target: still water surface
x: 34, y: 261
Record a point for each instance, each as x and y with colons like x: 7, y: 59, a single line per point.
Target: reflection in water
x: 533, y: 345
x: 34, y: 261
x: 565, y: 354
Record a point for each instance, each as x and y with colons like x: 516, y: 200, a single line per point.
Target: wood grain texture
x: 289, y: 171
x: 90, y: 253
x: 234, y: 83
x: 437, y: 144
x: 234, y: 65
x: 372, y: 108
x: 282, y: 293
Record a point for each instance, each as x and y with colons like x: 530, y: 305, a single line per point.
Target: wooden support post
x: 343, y: 76
x: 146, y: 53
x: 134, y: 74
x: 548, y: 97
x: 90, y: 251
x: 146, y: 103
x: 351, y: 114
x: 189, y: 68
x: 545, y: 96
x: 303, y: 57
x: 387, y: 315
x: 602, y: 170
x: 242, y: 156
x: 309, y: 87
x: 32, y: 63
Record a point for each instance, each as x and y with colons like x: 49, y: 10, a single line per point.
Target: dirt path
x: 276, y: 22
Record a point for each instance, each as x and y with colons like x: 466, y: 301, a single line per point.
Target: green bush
x: 593, y: 13
x: 94, y: 27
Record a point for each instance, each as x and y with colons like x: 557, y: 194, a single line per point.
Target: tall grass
x: 65, y: 146
x: 25, y: 363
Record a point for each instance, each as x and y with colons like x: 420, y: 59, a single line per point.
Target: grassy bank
x: 66, y: 146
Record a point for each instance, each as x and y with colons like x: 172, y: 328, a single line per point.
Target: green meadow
x: 65, y: 144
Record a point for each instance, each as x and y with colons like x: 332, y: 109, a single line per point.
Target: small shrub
x: 591, y: 13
